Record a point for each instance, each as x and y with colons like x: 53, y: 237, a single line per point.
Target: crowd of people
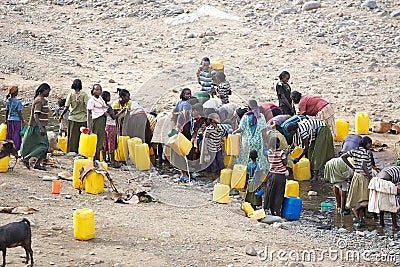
x: 268, y: 133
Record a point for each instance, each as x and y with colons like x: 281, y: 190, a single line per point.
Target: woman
x: 252, y: 129
x: 358, y: 195
x: 317, y: 142
x: 76, y: 105
x: 35, y: 143
x: 124, y: 102
x: 14, y: 119
x: 183, y: 108
x: 136, y: 123
x: 96, y: 115
x: 283, y: 91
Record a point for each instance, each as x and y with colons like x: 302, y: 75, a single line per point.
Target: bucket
x: 84, y: 224
x: 292, y: 188
x: 362, y: 123
x: 56, y: 186
x: 3, y: 131
x: 247, y: 208
x: 221, y: 193
x: 4, y: 164
x: 291, y: 208
x: 342, y: 129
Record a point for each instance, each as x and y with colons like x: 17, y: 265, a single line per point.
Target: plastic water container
x: 56, y: 186
x: 247, y: 208
x: 4, y: 164
x: 180, y: 144
x: 84, y: 224
x: 362, y: 123
x: 292, y: 188
x: 202, y: 96
x: 227, y: 159
x: 238, y: 180
x: 131, y: 147
x: 87, y: 145
x: 142, y: 157
x: 94, y: 182
x: 121, y: 153
x: 296, y: 152
x: 233, y: 145
x: 3, y: 132
x: 291, y: 208
x: 217, y: 64
x: 221, y: 193
x: 301, y: 170
x: 257, y: 214
x: 225, y: 176
x: 62, y: 142
x: 342, y: 129
x: 78, y: 164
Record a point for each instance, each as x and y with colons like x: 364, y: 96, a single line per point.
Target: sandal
x: 39, y: 167
x: 26, y: 163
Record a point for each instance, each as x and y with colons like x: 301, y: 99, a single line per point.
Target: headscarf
x: 254, y: 112
x: 11, y: 90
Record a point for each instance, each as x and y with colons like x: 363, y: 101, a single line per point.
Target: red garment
x: 311, y: 105
x: 270, y: 110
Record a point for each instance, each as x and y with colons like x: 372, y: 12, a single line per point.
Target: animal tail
x: 26, y: 221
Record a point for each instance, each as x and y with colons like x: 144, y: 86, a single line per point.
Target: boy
x: 253, y: 174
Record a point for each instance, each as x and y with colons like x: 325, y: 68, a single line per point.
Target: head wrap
x: 255, y: 110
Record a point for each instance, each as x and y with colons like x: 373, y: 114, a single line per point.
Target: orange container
x: 56, y: 186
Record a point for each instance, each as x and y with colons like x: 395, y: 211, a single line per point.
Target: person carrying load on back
x: 316, y: 140
x: 312, y: 105
x: 205, y: 75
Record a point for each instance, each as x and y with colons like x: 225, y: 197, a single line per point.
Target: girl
x: 111, y: 130
x: 283, y: 91
x: 76, y: 105
x: 275, y: 189
x: 358, y: 195
x: 183, y: 108
x: 253, y: 180
x: 96, y: 110
x: 14, y: 119
x: 35, y: 143
x: 124, y: 102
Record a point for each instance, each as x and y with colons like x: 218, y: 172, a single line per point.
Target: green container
x: 202, y: 96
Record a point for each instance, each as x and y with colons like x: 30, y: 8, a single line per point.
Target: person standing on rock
x: 14, y: 119
x: 76, y: 105
x: 205, y: 75
x: 36, y: 143
x: 312, y: 105
x: 96, y: 117
x: 283, y: 91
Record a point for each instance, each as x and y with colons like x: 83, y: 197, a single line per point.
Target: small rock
x: 312, y: 193
x: 342, y: 231
x: 395, y: 13
x: 4, y: 186
x: 397, y: 64
x: 190, y: 35
x: 68, y: 196
x: 369, y: 4
x: 51, y: 263
x: 311, y: 5
x: 117, y: 265
x: 165, y: 234
x: 57, y: 228
x: 111, y: 81
x: 296, y: 264
x: 250, y: 250
x: 92, y: 253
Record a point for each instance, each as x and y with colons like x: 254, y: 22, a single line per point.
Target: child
x: 275, y: 189
x: 358, y: 195
x: 63, y: 119
x: 110, y: 130
x: 14, y: 119
x: 253, y: 174
x: 205, y: 75
x: 213, y: 146
x: 223, y: 87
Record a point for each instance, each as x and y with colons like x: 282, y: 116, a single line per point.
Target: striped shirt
x: 394, y: 172
x: 214, y: 139
x: 206, y: 79
x: 360, y: 155
x: 40, y: 106
x: 275, y: 159
x: 309, y: 128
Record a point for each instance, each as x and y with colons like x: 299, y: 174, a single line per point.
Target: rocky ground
x: 345, y: 51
